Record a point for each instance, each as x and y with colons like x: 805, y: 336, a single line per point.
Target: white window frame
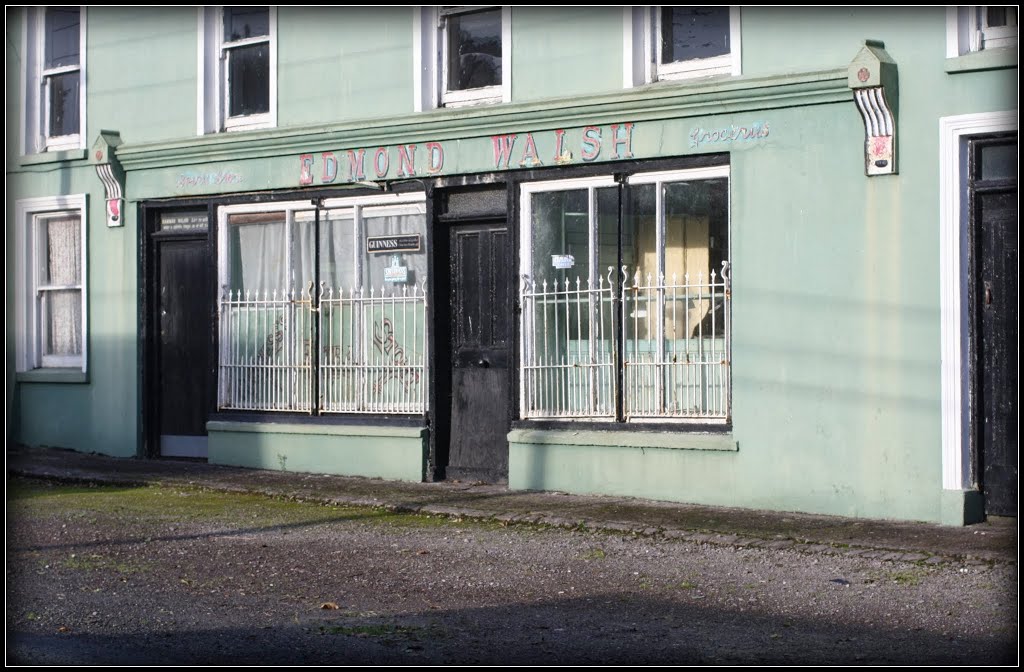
x: 213, y: 104
x: 430, y: 61
x: 659, y: 178
x: 377, y: 204
x: 967, y: 31
x: 663, y: 177
x: 360, y: 208
x: 526, y: 192
x: 35, y: 76
x: 29, y: 213
x: 641, y: 41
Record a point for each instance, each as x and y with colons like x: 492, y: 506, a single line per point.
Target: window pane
x: 560, y: 236
x: 675, y: 362
x: 695, y: 227
x: 1000, y: 16
x: 62, y: 322
x: 244, y: 22
x: 303, y: 253
x: 256, y: 253
x: 998, y: 161
x: 249, y: 80
x: 639, y: 231
x: 693, y: 32
x: 62, y: 40
x: 63, y: 105
x: 393, y: 271
x: 608, y: 234
x: 63, y: 252
x: 337, y: 257
x: 474, y: 50
x: 569, y: 307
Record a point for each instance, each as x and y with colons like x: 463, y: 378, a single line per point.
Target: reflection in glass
x: 64, y: 104
x: 249, y: 80
x: 688, y: 33
x: 998, y: 161
x: 560, y: 229
x: 62, y: 37
x: 241, y: 23
x: 474, y: 50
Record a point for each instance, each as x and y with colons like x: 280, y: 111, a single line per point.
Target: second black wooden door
x: 481, y: 337
x: 994, y: 199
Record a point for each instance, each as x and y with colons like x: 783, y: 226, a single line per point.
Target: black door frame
x: 439, y: 230
x: 974, y: 186
x: 150, y: 238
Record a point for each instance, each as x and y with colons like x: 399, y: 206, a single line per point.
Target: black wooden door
x: 994, y: 210
x: 481, y: 337
x: 183, y: 343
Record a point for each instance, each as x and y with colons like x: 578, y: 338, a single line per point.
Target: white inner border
x: 956, y: 445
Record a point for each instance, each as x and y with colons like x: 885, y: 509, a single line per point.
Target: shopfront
x: 390, y: 300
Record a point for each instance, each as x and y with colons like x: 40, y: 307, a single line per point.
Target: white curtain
x: 63, y: 312
x: 337, y: 241
x: 302, y: 252
x: 260, y: 264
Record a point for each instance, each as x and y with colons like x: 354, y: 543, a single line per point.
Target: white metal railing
x: 676, y: 346
x: 372, y: 347
x: 374, y: 350
x: 265, y: 351
x: 568, y: 349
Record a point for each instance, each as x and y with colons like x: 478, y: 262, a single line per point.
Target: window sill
x: 673, y: 440
x: 52, y: 157
x: 989, y: 59
x: 286, y: 427
x: 52, y: 376
x: 491, y: 95
x: 256, y: 122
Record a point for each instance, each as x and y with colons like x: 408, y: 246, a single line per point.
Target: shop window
x: 54, y: 79
x: 626, y: 316
x: 667, y: 43
x: 463, y: 57
x: 51, y: 283
x: 239, y: 72
x: 980, y: 28
x: 324, y: 310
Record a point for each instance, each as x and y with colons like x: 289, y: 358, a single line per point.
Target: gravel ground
x: 154, y: 576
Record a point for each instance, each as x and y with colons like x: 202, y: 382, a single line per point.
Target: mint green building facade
x: 847, y: 354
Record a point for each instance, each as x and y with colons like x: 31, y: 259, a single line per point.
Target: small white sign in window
x: 563, y: 261
x: 396, y: 272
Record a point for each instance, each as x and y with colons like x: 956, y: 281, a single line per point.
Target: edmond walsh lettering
x: 510, y: 150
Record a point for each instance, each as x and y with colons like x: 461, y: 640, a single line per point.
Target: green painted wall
x: 565, y: 51
x: 835, y: 342
x: 343, y: 63
x: 836, y: 392
x: 100, y: 415
x: 378, y: 452
x: 142, y: 72
x: 830, y: 36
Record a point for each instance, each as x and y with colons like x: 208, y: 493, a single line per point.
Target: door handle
x: 483, y: 363
x: 988, y: 294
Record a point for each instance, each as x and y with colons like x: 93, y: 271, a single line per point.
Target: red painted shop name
x: 510, y: 151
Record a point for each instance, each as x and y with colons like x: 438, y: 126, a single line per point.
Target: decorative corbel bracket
x: 109, y: 170
x: 873, y: 78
